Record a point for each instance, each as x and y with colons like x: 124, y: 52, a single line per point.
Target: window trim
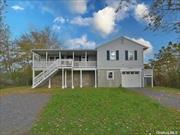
x: 134, y: 54
x: 107, y: 75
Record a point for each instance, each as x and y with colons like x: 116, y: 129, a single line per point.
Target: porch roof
x: 64, y: 51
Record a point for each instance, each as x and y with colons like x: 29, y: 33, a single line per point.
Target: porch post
x: 95, y: 78
x: 72, y: 79
x: 59, y: 55
x: 85, y: 58
x: 62, y: 78
x: 33, y: 76
x: 33, y: 59
x: 49, y: 86
x: 143, y: 78
x: 152, y: 85
x: 140, y: 72
x: 46, y: 57
x: 73, y: 58
x: 65, y: 78
x: 80, y: 78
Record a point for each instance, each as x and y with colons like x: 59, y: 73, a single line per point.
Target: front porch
x: 67, y: 58
x: 49, y: 62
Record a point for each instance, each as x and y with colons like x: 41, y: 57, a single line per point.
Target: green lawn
x: 167, y: 90
x: 104, y: 111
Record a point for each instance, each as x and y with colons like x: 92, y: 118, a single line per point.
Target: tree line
x: 166, y: 66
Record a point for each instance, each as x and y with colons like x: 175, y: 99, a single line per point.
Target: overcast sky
x: 86, y: 23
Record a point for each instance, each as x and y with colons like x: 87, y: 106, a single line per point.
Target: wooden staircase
x: 50, y: 70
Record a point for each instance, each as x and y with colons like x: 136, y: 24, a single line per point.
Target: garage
x: 131, y: 79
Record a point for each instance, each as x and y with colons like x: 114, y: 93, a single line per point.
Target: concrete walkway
x: 169, y: 100
x: 19, y: 111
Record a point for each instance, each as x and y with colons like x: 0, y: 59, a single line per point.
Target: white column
x: 80, y: 78
x: 33, y: 76
x: 140, y: 73
x: 46, y: 58
x: 62, y: 78
x: 72, y: 79
x: 95, y: 78
x: 33, y: 59
x: 85, y: 58
x: 49, y: 86
x: 65, y: 78
x: 152, y: 85
x: 73, y: 58
x: 142, y: 79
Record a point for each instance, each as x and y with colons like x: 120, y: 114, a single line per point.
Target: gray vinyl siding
x: 104, y: 82
x: 121, y: 45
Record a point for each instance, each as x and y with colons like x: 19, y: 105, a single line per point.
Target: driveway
x: 19, y: 111
x: 169, y: 100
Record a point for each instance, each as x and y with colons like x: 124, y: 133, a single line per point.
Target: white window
x: 110, y: 75
x: 112, y: 55
x: 131, y: 55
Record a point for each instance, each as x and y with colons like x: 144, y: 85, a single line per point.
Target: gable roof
x: 123, y: 37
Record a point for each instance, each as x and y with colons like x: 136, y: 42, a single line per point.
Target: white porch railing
x: 85, y: 64
x: 66, y: 63
x: 50, y: 68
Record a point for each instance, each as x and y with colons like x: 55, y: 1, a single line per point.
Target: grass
x: 167, y: 90
x: 104, y: 111
x: 23, y: 90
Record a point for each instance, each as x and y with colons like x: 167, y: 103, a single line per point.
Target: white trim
x: 86, y: 69
x: 121, y: 68
x: 107, y: 75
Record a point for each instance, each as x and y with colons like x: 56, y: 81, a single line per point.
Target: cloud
x: 17, y: 8
x: 104, y: 20
x: 79, y: 6
x: 57, y: 23
x: 80, y: 43
x: 145, y: 43
x: 81, y: 21
x: 59, y: 19
x: 142, y: 13
x: 56, y: 28
x: 123, y: 12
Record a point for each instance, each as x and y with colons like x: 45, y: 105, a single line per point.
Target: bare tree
x: 164, y: 14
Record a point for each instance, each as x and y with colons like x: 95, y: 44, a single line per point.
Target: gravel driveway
x: 18, y: 111
x: 169, y: 100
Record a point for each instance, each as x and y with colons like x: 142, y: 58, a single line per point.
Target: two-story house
x: 118, y: 63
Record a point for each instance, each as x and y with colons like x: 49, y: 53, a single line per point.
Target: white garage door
x: 131, y: 79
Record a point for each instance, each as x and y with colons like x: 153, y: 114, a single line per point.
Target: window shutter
x: 117, y: 54
x: 108, y: 55
x: 135, y: 55
x: 126, y: 55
